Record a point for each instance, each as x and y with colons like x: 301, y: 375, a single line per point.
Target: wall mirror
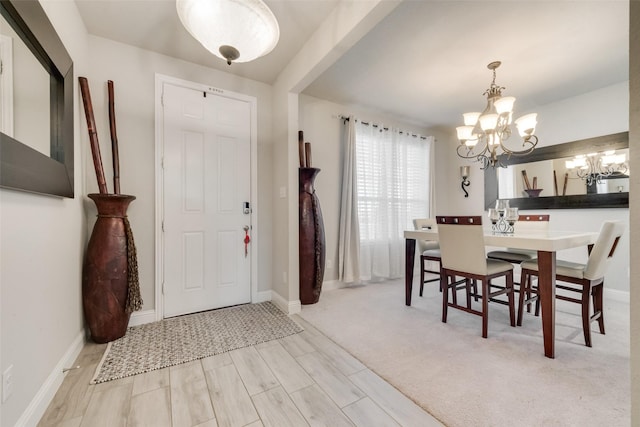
x: 588, y: 173
x: 36, y: 103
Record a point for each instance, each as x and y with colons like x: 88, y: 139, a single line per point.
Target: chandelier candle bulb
x: 470, y: 119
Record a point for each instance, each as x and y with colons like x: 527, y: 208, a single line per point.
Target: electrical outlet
x: 7, y: 383
x: 329, y: 264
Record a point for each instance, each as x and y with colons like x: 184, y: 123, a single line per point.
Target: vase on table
x: 106, y: 275
x: 311, y: 238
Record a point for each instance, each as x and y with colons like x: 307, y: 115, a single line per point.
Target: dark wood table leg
x: 408, y: 273
x: 547, y: 290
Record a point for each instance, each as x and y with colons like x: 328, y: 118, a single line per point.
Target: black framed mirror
x: 548, y: 165
x: 23, y: 167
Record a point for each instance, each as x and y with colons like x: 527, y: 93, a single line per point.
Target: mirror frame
x: 21, y: 167
x: 614, y: 141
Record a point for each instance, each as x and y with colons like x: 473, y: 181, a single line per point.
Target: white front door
x: 206, y: 181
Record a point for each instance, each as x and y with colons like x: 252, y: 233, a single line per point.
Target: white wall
x: 43, y: 241
x: 43, y: 238
x: 321, y: 126
x: 601, y: 112
x: 344, y: 26
x: 634, y: 150
x: 133, y: 73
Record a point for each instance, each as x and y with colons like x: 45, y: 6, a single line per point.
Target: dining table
x: 546, y: 244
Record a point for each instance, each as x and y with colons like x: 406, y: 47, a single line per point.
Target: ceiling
x: 425, y: 63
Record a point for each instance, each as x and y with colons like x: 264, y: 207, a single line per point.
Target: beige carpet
x: 465, y: 380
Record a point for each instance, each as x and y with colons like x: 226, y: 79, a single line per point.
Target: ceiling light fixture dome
x: 234, y: 30
x: 484, y: 133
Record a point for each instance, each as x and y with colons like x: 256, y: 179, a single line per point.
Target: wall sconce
x: 464, y: 173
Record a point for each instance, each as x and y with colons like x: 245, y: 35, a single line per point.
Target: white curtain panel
x: 431, y: 185
x: 349, y: 237
x: 393, y: 187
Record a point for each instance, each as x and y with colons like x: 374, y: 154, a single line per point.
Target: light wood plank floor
x: 301, y: 380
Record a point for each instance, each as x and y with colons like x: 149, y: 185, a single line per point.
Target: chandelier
x: 483, y: 135
x: 594, y: 167
x: 234, y: 30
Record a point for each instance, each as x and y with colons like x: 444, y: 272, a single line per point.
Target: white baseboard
x: 289, y: 307
x: 142, y: 317
x: 263, y: 296
x: 34, y: 412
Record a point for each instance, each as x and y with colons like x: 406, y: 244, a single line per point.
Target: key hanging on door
x: 247, y: 239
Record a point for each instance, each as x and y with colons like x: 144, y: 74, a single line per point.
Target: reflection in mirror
x: 24, y: 98
x: 588, y: 173
x: 564, y: 177
x: 36, y: 151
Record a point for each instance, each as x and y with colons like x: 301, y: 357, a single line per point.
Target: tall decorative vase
x: 311, y: 238
x: 104, y: 277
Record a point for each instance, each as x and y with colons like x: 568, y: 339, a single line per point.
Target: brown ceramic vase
x: 311, y: 238
x: 104, y: 276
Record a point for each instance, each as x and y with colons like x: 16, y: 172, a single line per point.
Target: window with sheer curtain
x: 393, y: 187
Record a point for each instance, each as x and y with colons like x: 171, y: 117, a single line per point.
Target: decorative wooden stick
x: 535, y: 182
x: 307, y: 153
x: 301, y: 148
x: 555, y: 183
x: 526, y: 180
x: 93, y: 135
x: 114, y: 139
x: 564, y: 187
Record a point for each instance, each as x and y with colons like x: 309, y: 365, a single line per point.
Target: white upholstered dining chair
x: 463, y: 254
x: 585, y: 279
x: 429, y: 251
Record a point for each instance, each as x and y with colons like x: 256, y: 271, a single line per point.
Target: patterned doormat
x: 182, y: 339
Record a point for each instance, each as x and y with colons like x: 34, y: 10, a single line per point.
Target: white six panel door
x: 206, y: 181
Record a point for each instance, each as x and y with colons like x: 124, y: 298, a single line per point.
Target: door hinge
x: 162, y: 226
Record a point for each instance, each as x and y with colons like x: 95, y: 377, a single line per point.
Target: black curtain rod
x: 346, y: 119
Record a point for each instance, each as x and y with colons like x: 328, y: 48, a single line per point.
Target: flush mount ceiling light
x: 234, y: 30
x: 483, y: 135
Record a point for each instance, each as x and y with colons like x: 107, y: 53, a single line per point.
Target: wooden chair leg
x: 467, y: 285
x: 512, y: 309
x: 537, y: 311
x: 445, y: 296
x: 525, y: 281
x: 485, y: 307
x: 586, y: 320
x: 597, y: 306
x: 454, y: 289
x: 421, y: 274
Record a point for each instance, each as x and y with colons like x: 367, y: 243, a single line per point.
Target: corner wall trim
x: 36, y: 409
x: 289, y: 307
